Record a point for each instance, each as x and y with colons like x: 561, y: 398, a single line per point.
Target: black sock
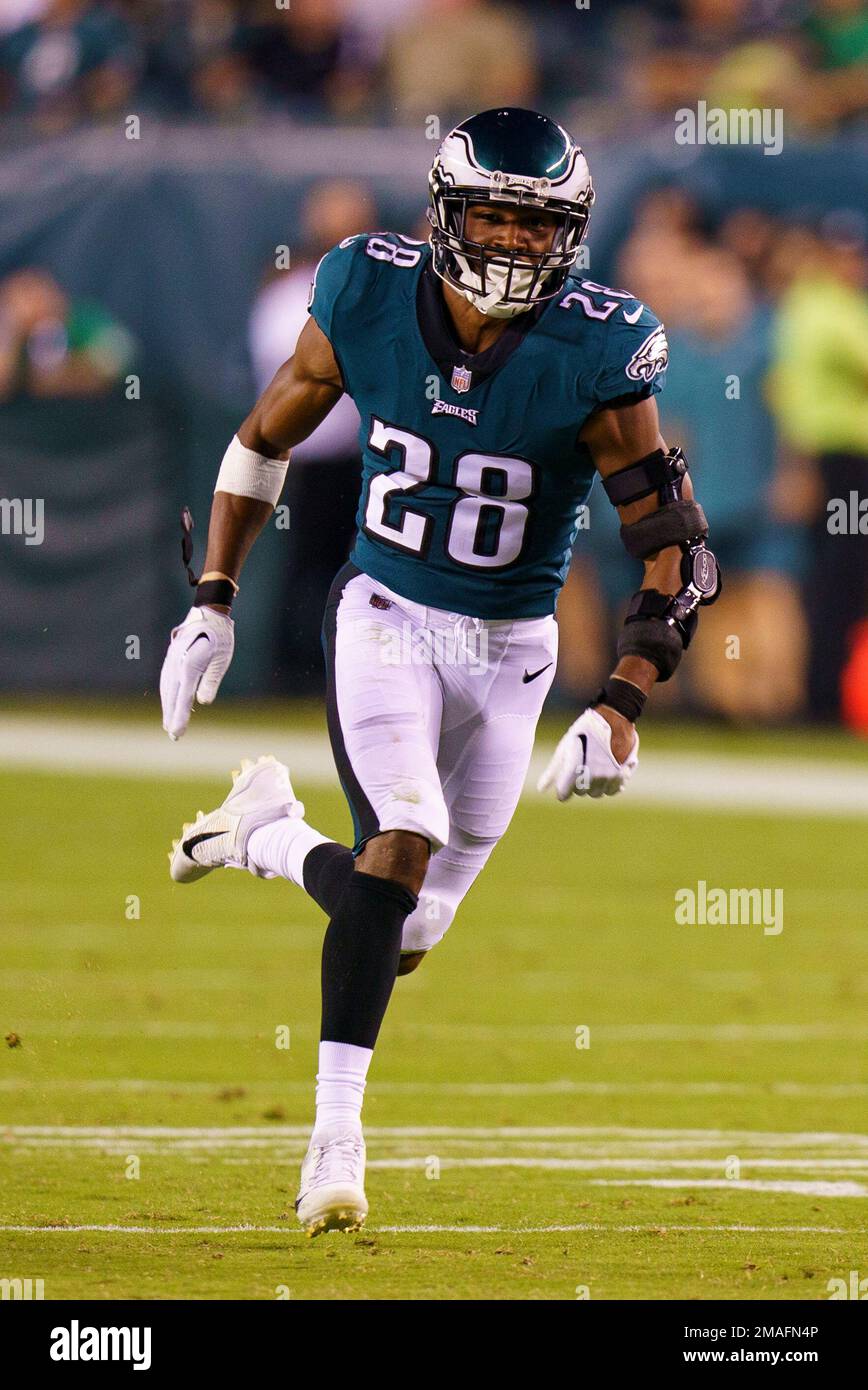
x: 326, y: 871
x: 360, y: 956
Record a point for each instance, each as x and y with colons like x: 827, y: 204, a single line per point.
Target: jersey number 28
x: 486, y: 526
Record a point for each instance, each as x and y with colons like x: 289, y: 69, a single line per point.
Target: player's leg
x: 261, y: 827
x: 384, y: 713
x: 483, y: 766
x: 261, y: 796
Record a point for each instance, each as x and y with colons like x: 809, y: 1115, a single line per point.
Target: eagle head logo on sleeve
x: 652, y: 357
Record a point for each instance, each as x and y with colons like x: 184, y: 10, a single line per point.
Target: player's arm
x: 298, y: 399
x: 663, y: 525
x: 248, y: 488
x: 616, y: 439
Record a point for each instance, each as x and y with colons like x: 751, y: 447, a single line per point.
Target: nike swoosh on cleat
x: 526, y: 678
x: 189, y: 845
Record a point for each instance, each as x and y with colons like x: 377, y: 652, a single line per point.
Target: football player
x: 493, y: 383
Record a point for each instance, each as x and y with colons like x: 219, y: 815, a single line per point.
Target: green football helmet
x: 516, y: 157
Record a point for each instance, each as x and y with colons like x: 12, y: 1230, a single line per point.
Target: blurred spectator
x: 837, y: 36
x: 667, y: 230
x: 752, y: 235
x: 745, y: 54
x: 52, y: 345
x: 16, y: 13
x: 839, y: 30
x: 195, y: 63
x: 611, y: 68
x: 682, y: 46
x: 820, y: 396
x: 714, y: 407
x: 375, y: 20
x: 77, y: 60
x: 324, y: 479
x: 459, y: 56
x: 308, y: 59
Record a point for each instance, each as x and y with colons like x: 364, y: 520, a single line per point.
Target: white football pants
x: 432, y: 718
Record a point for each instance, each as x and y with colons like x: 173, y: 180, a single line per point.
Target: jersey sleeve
x: 635, y: 358
x: 335, y: 291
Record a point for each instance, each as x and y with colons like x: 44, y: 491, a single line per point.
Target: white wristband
x: 249, y: 474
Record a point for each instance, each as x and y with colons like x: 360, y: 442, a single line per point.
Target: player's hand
x: 584, y: 764
x: 197, y: 660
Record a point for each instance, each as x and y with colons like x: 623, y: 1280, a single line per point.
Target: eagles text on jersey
x: 473, y: 475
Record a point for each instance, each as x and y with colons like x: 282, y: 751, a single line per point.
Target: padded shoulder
x: 625, y: 338
x: 352, y: 270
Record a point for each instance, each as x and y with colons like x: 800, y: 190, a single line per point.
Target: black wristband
x: 215, y: 591
x: 622, y: 696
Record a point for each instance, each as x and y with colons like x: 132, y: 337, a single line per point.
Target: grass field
x: 709, y: 1142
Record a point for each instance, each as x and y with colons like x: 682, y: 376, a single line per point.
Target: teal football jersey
x: 473, y: 475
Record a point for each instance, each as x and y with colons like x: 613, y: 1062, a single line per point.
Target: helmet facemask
x: 498, y: 282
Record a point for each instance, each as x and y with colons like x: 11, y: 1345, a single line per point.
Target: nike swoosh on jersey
x: 527, y: 678
x: 635, y: 316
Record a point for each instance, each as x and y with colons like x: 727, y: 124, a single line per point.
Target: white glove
x: 583, y: 762
x: 197, y: 660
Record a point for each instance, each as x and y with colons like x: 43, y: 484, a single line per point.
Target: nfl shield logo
x: 461, y: 378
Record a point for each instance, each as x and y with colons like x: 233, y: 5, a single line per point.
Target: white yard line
x: 723, y: 1033
x: 800, y: 1189
x: 226, y: 1133
x: 291, y: 1153
x: 288, y: 1230
x: 815, y: 1090
x: 739, y: 783
x: 808, y: 1164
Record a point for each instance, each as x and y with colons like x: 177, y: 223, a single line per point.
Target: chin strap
x: 488, y: 304
x: 485, y: 304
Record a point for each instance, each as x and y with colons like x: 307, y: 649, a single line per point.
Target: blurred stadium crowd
x: 373, y: 61
x: 767, y: 314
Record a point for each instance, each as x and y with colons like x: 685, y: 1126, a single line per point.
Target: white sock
x: 340, y: 1086
x: 279, y: 849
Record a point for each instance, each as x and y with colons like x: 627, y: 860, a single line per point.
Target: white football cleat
x: 261, y: 793
x: 331, y: 1194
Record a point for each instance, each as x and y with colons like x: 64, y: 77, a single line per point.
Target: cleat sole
x: 346, y: 1221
